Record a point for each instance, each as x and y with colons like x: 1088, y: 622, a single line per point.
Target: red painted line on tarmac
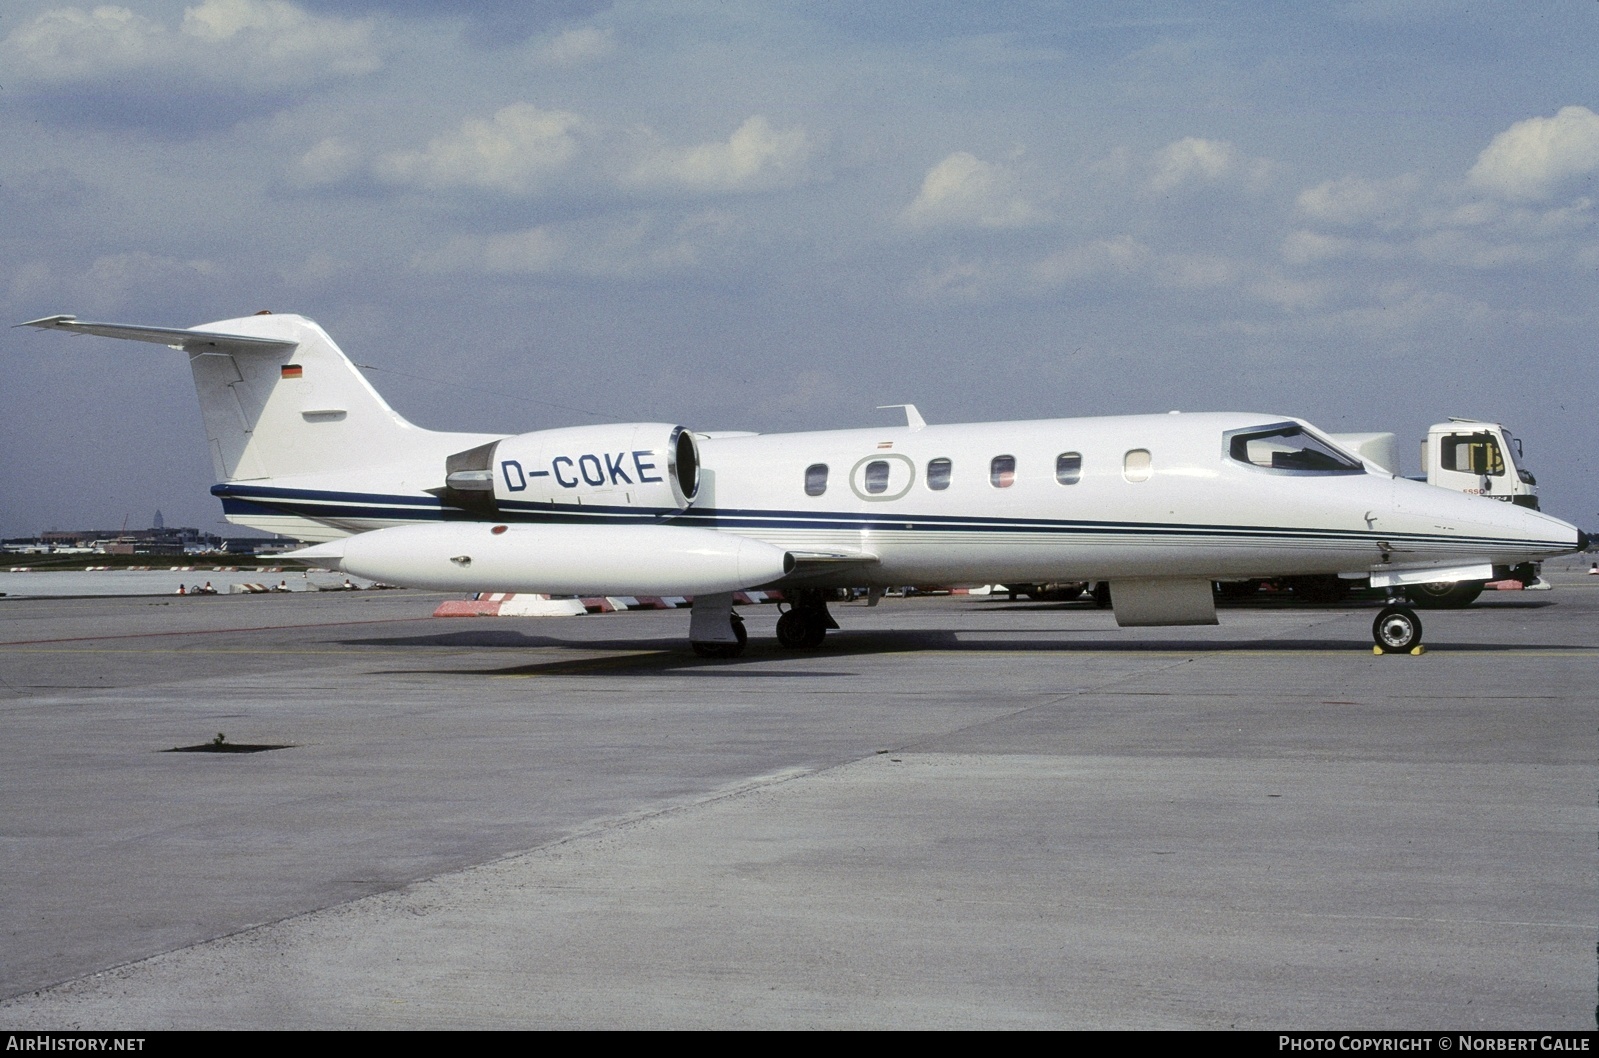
x: 209, y: 631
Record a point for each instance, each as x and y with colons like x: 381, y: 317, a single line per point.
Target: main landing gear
x: 805, y: 624
x: 1397, y: 630
x: 1445, y: 596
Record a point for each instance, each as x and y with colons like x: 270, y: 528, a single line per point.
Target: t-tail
x: 283, y: 406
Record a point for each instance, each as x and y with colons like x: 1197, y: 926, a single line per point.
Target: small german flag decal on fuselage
x: 292, y: 371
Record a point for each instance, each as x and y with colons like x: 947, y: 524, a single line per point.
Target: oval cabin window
x: 938, y: 474
x: 876, y: 480
x: 1002, y: 472
x: 1137, y: 465
x: 1069, y: 467
x: 816, y: 479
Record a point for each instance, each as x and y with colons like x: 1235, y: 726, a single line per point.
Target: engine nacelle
x: 649, y: 465
x: 559, y: 559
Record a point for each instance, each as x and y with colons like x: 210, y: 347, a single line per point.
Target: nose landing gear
x: 1397, y: 630
x: 725, y: 650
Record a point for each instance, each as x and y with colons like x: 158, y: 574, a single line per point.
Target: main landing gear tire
x: 806, y: 619
x: 725, y: 650
x: 1444, y: 595
x: 801, y: 629
x: 1397, y: 630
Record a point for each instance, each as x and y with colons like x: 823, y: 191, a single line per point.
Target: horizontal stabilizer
x: 333, y: 551
x: 176, y: 337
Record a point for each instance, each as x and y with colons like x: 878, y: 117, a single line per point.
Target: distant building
x: 156, y: 540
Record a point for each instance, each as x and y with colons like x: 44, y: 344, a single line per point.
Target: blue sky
x: 777, y: 216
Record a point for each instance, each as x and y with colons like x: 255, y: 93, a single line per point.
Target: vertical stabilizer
x: 280, y: 400
x: 295, y: 406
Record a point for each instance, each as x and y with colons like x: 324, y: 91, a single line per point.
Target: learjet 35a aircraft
x: 1158, y: 506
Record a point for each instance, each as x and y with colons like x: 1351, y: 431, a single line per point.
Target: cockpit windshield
x: 1288, y: 446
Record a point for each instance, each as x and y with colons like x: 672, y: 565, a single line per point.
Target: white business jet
x: 1158, y: 506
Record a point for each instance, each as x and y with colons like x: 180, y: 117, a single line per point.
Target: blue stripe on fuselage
x: 316, y: 505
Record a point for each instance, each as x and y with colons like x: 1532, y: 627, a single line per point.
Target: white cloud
x: 962, y: 280
x: 1196, y: 271
x: 1293, y: 295
x: 515, y: 152
x: 1529, y: 160
x: 754, y: 156
x: 248, y: 43
x: 1122, y: 255
x: 1303, y: 247
x: 1463, y: 249
x: 67, y: 44
x: 1193, y: 160
x: 116, y: 280
x: 964, y: 190
x: 1122, y: 259
x: 615, y: 248
x: 576, y: 46
x: 330, y: 161
x: 1399, y: 307
x: 1355, y: 200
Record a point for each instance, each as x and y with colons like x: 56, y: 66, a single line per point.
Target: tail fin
x: 291, y: 410
x: 278, y: 397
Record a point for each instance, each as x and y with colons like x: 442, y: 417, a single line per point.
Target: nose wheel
x: 725, y: 650
x: 1397, y: 630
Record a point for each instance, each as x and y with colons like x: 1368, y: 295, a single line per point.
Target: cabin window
x: 876, y: 478
x: 1002, y: 472
x: 1137, y: 465
x: 1476, y: 453
x: 816, y: 479
x: 1069, y: 467
x: 1289, y: 446
x: 938, y: 474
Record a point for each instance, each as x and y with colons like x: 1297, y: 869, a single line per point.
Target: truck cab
x: 1478, y: 458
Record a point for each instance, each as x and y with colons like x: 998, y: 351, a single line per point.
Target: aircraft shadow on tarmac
x: 1514, y: 601
x: 670, y: 655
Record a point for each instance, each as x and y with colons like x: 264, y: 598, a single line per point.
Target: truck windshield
x: 1288, y: 446
x: 1475, y: 453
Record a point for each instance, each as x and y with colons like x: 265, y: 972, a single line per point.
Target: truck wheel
x: 1321, y: 589
x: 1444, y: 595
x: 1397, y: 630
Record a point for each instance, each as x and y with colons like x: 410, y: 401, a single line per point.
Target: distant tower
x: 158, y: 523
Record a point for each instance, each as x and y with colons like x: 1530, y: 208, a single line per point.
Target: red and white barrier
x: 522, y: 604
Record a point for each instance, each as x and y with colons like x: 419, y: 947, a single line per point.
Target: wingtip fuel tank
x: 562, y: 559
